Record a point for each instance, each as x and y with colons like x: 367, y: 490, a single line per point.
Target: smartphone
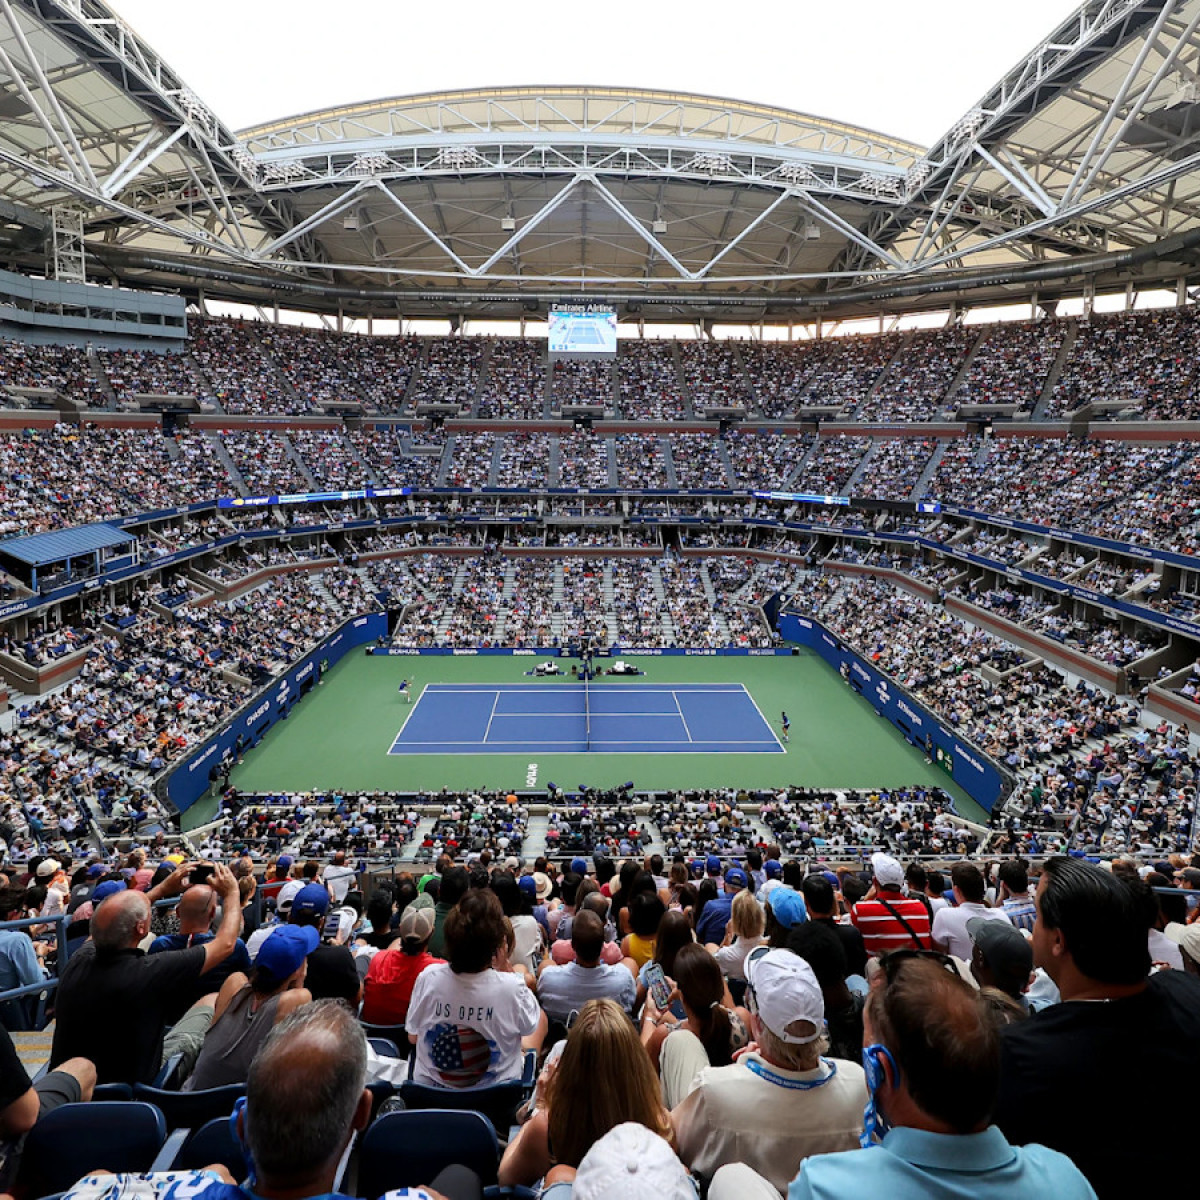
x: 659, y: 988
x: 201, y: 873
x: 331, y: 928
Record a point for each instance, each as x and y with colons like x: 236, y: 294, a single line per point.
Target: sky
x: 908, y: 68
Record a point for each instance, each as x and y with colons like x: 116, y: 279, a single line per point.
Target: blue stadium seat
x: 407, y: 1149
x: 213, y: 1142
x: 71, y: 1141
x: 191, y: 1109
x: 384, y: 1046
x: 394, y: 1033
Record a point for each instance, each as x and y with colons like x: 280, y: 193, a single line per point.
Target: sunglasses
x: 895, y: 959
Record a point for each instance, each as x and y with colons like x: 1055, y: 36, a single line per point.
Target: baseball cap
x: 887, y: 870
x: 631, y: 1163
x: 579, y: 866
x: 104, y: 890
x: 311, y: 899
x: 1189, y: 942
x: 788, y: 907
x: 1006, y: 951
x: 286, y: 948
x: 416, y: 925
x: 1187, y: 875
x: 96, y: 870
x: 772, y: 868
x: 785, y: 991
x: 712, y: 864
x: 47, y: 867
x: 528, y: 885
x: 735, y: 877
x: 284, y: 860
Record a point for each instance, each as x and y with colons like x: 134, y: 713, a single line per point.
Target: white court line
x: 675, y: 697
x: 770, y: 727
x: 408, y: 716
x: 491, y: 717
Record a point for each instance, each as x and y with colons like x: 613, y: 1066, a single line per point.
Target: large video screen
x: 583, y: 331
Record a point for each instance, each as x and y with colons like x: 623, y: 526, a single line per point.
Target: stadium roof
x: 44, y: 549
x: 1080, y: 163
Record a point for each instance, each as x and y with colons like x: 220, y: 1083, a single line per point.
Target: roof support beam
x: 133, y: 166
x: 1118, y: 100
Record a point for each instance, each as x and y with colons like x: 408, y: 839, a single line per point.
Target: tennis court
x: 575, y: 718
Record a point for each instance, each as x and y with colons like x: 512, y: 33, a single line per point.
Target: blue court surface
x: 616, y: 718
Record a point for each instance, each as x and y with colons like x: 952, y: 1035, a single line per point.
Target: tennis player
x: 785, y: 724
x: 405, y: 690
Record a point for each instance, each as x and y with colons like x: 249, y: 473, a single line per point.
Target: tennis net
x: 587, y: 712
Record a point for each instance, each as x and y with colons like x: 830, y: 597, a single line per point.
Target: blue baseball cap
x: 284, y: 860
x: 104, y: 890
x: 735, y: 877
x: 528, y: 885
x: 286, y: 948
x: 579, y: 866
x: 312, y: 898
x: 773, y: 868
x: 96, y: 870
x: 788, y: 907
x: 712, y: 864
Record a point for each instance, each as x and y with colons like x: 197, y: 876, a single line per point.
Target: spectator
x: 884, y: 917
x: 1014, y: 894
x: 780, y: 1102
x: 602, y: 1079
x: 932, y: 1067
x: 646, y: 912
x: 565, y: 989
x: 23, y: 1104
x: 1090, y: 938
x: 742, y: 934
x: 393, y: 973
x: 1001, y: 958
x: 113, y: 1000
x: 821, y: 901
x: 715, y: 918
x: 452, y: 889
x: 468, y: 1021
x: 712, y: 1028
x: 249, y: 1007
x: 950, y: 933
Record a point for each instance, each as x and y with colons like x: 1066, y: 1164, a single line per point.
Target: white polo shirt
x: 950, y: 926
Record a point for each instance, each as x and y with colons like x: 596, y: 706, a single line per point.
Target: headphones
x: 239, y: 1140
x: 875, y: 1125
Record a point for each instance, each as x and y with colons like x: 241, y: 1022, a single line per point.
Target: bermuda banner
x: 977, y: 774
x: 563, y: 652
x: 188, y: 781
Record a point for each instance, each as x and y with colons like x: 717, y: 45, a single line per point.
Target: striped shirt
x: 1020, y: 911
x: 883, y: 931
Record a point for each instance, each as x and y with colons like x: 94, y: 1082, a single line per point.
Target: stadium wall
x: 978, y: 775
x: 182, y: 786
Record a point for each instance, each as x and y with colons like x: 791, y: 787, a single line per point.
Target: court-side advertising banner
x: 977, y: 774
x: 189, y: 780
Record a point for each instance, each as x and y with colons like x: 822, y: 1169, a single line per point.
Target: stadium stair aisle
x: 535, y: 836
x: 33, y: 1048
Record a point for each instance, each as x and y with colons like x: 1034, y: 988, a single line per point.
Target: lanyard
x: 798, y: 1085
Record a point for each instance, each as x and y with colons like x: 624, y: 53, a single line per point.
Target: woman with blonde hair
x: 744, y: 931
x: 603, y: 1079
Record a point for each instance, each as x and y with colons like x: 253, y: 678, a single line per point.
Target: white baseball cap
x: 886, y: 869
x: 631, y: 1162
x: 785, y: 991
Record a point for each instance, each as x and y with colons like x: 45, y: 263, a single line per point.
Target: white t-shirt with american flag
x: 469, y: 1027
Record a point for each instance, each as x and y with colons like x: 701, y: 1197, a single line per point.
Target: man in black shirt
x: 820, y: 902
x: 113, y: 1000
x: 22, y: 1103
x: 1062, y: 1068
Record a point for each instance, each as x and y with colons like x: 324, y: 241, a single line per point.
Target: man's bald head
x: 121, y: 921
x: 304, y: 1094
x: 196, y: 909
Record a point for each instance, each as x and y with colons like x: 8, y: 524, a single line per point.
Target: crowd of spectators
x: 515, y: 385
x: 1012, y: 364
x: 714, y: 377
x: 648, y: 382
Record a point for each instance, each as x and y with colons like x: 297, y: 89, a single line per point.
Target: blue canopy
x: 43, y: 549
